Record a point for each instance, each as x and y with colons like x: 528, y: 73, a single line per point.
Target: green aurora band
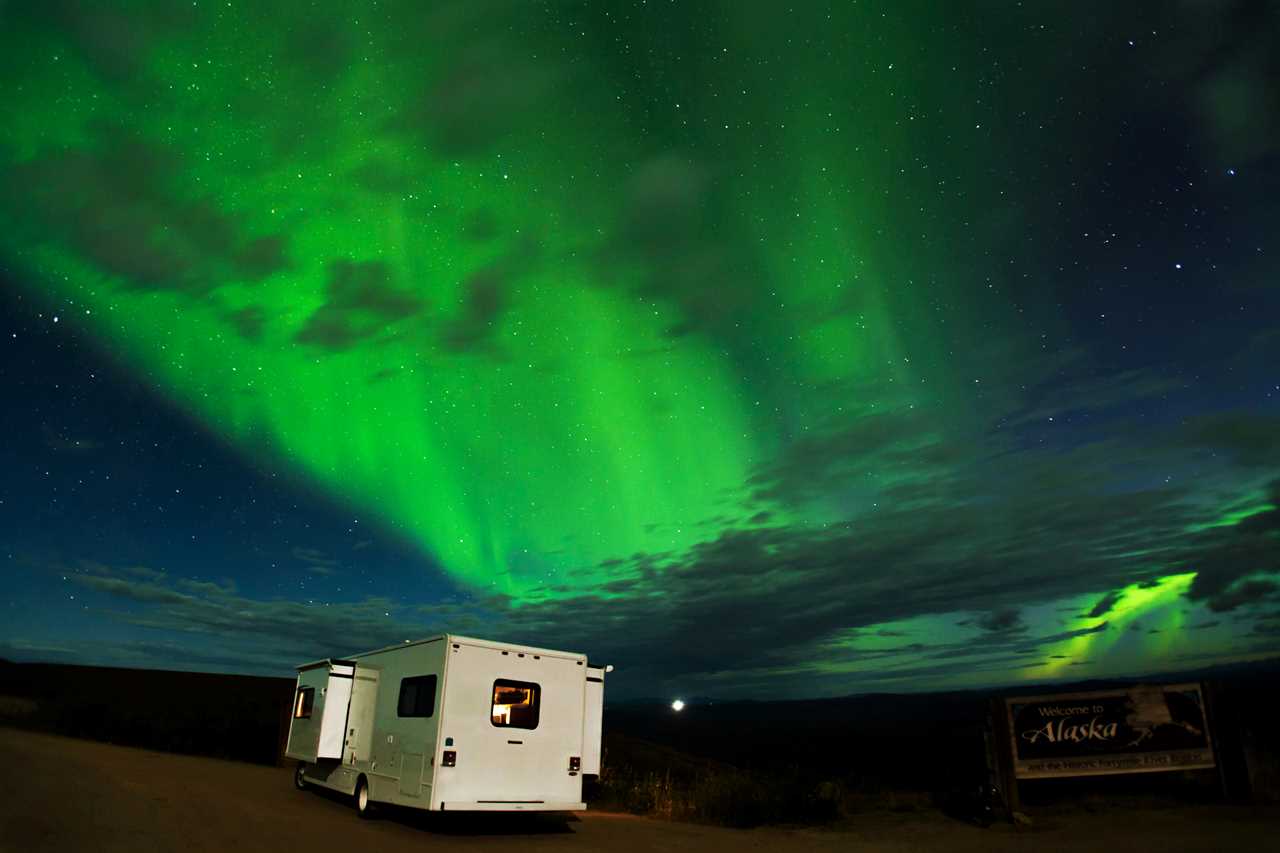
x: 574, y: 429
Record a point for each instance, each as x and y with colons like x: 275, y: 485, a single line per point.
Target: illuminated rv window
x: 515, y: 704
x: 417, y: 696
x: 303, y: 701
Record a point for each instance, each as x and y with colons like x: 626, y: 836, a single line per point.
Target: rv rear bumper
x: 499, y: 806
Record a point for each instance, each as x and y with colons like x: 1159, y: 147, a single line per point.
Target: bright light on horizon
x: 677, y: 705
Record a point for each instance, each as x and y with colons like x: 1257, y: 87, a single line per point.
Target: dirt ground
x: 61, y: 794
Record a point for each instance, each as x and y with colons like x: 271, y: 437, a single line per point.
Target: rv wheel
x: 299, y: 781
x: 364, y: 807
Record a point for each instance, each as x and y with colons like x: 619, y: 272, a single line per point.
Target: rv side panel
x: 406, y: 719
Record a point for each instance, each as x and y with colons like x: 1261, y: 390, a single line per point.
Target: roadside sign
x: 1141, y: 729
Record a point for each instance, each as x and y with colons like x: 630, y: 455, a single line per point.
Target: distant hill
x: 242, y: 717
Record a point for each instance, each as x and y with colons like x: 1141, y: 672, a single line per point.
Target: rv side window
x: 515, y: 704
x: 417, y: 696
x: 303, y: 701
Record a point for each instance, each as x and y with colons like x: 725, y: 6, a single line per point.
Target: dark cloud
x: 1243, y: 594
x: 782, y: 592
x: 485, y: 295
x: 1231, y: 66
x: 313, y: 555
x: 261, y: 257
x: 319, y: 47
x: 777, y: 598
x: 1084, y: 391
x: 783, y: 596
x: 1002, y: 621
x: 206, y: 588
x: 60, y: 442
x: 830, y: 459
x: 248, y: 322
x: 122, y: 206
x: 144, y: 572
x: 1250, y: 439
x: 316, y: 561
x: 1263, y: 348
x: 481, y: 226
x: 488, y: 93
x: 362, y: 304
x: 665, y: 204
x: 381, y: 176
x: 20, y: 648
x: 1104, y: 605
x: 1225, y: 557
x: 146, y: 592
x: 1078, y: 632
x: 669, y: 226
x: 115, y: 40
x: 296, y: 630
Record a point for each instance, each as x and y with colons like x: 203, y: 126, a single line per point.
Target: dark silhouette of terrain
x: 822, y: 753
x: 240, y: 717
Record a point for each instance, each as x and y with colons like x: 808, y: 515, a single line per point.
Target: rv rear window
x: 515, y: 704
x: 417, y: 696
x: 303, y: 701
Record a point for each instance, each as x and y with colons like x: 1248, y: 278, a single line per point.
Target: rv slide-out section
x: 451, y: 723
x: 320, y: 706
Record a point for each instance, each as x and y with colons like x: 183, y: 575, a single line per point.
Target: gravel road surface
x: 61, y: 794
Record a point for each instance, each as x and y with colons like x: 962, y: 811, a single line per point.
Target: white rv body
x: 451, y: 724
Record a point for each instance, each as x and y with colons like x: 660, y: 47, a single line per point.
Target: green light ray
x: 1159, y: 606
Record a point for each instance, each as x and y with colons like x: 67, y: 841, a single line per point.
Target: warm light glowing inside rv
x: 506, y: 698
x: 677, y: 705
x: 303, y: 704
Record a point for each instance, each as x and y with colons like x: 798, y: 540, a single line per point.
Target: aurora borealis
x: 853, y: 346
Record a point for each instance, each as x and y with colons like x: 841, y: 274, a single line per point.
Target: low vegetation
x: 648, y: 779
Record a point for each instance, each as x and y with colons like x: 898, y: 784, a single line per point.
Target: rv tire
x: 299, y: 781
x: 364, y: 806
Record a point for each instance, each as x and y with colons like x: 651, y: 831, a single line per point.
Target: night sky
x: 762, y: 352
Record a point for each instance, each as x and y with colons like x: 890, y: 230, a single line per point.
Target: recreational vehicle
x: 450, y: 724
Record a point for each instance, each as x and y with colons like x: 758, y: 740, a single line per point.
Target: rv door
x: 337, y: 700
x: 593, y: 720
